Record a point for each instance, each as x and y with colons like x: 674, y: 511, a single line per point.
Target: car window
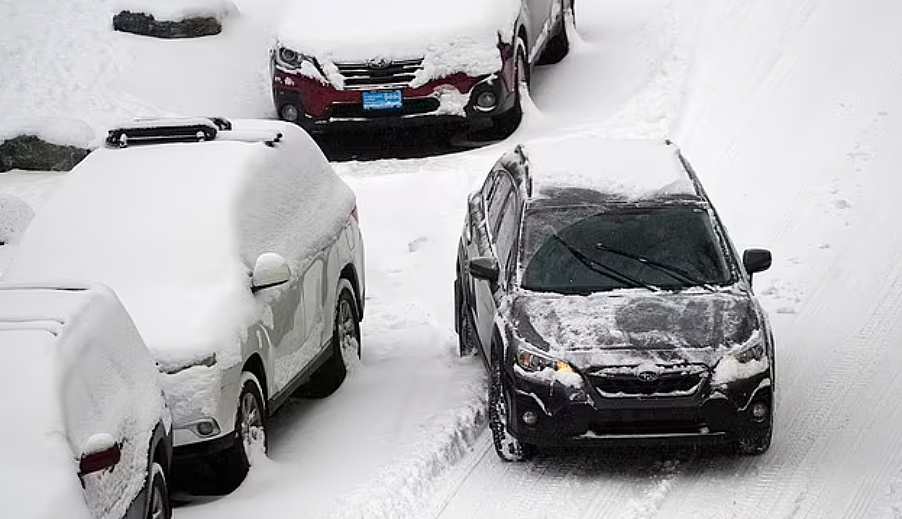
x: 506, y: 236
x: 503, y: 188
x: 584, y: 249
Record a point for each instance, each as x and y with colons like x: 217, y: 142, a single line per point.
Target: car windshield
x: 577, y: 250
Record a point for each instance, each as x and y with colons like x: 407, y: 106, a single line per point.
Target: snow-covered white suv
x: 401, y: 62
x: 237, y: 251
x: 82, y: 401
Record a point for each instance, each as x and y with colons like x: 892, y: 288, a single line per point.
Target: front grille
x: 414, y: 106
x: 623, y: 382
x: 364, y: 76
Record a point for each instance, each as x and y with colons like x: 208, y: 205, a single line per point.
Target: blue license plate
x: 387, y: 100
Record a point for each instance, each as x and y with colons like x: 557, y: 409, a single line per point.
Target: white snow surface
x: 176, y: 10
x: 627, y: 169
x: 789, y: 112
x: 87, y: 372
x: 451, y: 37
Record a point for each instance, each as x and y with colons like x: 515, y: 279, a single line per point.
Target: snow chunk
x: 15, y: 215
x: 177, y: 10
x: 623, y: 168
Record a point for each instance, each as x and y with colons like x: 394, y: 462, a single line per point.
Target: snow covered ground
x: 789, y: 112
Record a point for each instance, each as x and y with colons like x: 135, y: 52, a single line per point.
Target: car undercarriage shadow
x: 399, y: 143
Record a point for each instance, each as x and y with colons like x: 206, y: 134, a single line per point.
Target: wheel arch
x: 349, y: 272
x: 254, y: 364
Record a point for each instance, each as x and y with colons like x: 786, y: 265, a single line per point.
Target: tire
x: 465, y: 337
x: 345, y: 345
x: 159, y: 505
x: 755, y: 444
x: 229, y: 468
x: 505, y: 124
x: 559, y: 45
x: 507, y: 446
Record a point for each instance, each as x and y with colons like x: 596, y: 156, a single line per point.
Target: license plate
x: 387, y: 100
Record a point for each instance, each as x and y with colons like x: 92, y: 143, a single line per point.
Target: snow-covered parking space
x: 791, y: 116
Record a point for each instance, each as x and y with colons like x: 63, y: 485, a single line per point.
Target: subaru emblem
x: 647, y: 376
x: 379, y: 63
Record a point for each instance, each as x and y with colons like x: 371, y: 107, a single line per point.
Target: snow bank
x: 63, y: 131
x: 628, y: 169
x: 177, y: 10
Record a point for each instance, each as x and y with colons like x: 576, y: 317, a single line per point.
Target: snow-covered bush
x: 172, y: 18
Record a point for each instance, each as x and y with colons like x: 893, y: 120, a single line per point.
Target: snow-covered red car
x: 83, y: 402
x: 236, y: 249
x: 400, y: 62
x: 600, y: 287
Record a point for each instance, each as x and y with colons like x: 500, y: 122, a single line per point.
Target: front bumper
x: 450, y: 100
x: 567, y: 414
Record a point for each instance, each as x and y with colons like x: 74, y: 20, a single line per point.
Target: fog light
x: 530, y: 418
x: 290, y: 113
x: 206, y: 428
x: 759, y: 411
x: 486, y: 101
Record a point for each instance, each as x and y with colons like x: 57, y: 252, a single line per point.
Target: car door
x: 540, y: 23
x: 296, y: 324
x: 484, y: 291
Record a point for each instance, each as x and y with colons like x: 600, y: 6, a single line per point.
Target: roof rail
x: 165, y: 130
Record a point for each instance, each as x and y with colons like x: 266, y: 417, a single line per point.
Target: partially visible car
x: 82, y: 402
x: 601, y: 289
x: 237, y: 251
x: 403, y: 62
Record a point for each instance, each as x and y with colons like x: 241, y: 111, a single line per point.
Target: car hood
x: 460, y: 36
x: 632, y: 327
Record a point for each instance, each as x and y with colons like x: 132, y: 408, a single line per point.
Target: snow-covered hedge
x: 31, y: 152
x: 172, y: 18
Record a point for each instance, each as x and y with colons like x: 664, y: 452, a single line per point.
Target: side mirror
x: 485, y: 267
x: 101, y: 452
x: 271, y: 270
x: 756, y: 260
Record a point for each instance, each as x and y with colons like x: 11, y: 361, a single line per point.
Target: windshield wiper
x: 674, y: 272
x: 604, y: 270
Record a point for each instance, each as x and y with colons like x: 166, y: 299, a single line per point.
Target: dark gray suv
x: 599, y: 285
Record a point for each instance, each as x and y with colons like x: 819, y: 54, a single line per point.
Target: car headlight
x: 292, y: 59
x: 533, y: 360
x: 749, y: 352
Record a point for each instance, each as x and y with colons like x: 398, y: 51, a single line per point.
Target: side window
x: 506, y: 236
x: 502, y: 190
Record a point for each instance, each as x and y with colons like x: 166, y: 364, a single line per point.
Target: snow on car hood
x: 460, y: 36
x: 629, y: 327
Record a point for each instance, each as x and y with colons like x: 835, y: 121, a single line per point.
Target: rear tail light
x: 100, y: 460
x: 354, y: 215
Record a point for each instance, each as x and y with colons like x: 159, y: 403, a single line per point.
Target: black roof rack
x: 149, y: 131
x: 198, y: 129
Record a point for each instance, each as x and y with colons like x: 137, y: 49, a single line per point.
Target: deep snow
x: 790, y: 114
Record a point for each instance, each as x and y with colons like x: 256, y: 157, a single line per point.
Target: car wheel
x: 345, y: 350
x: 159, y: 505
x: 558, y: 45
x: 231, y: 466
x: 465, y: 337
x: 507, y: 447
x: 505, y: 124
x: 757, y: 443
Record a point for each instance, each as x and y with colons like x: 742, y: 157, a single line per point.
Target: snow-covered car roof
x: 622, y: 169
x: 459, y: 36
x: 175, y: 229
x: 48, y: 331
